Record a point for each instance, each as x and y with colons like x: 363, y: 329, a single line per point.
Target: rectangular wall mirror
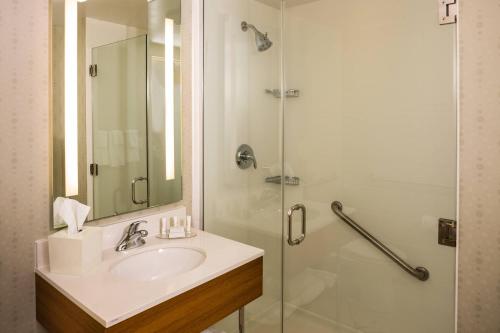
x: 116, y: 103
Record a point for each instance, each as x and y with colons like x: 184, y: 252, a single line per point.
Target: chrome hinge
x: 447, y: 232
x: 93, y: 70
x: 94, y: 169
x: 448, y: 11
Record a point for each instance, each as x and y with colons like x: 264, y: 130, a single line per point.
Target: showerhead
x: 261, y: 40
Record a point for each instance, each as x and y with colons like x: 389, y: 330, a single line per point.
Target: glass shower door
x: 238, y: 203
x: 119, y: 127
x: 373, y: 127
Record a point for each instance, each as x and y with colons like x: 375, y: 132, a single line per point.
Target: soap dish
x: 188, y: 235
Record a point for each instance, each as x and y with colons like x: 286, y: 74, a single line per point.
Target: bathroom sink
x: 158, y: 263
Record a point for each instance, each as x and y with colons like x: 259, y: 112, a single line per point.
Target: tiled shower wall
x: 24, y: 167
x: 479, y: 248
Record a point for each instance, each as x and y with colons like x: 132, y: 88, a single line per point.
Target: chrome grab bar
x: 420, y: 273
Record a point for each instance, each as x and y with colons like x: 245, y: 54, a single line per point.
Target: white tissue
x: 70, y: 212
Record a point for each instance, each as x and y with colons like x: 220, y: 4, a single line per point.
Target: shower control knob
x: 245, y: 157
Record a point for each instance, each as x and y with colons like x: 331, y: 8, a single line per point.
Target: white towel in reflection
x: 116, y: 145
x: 101, y: 148
x: 133, y: 151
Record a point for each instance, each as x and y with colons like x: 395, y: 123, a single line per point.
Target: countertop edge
x: 133, y: 312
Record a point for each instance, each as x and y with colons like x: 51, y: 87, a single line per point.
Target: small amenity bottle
x: 188, y: 225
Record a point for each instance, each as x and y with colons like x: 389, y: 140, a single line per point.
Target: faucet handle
x: 245, y: 157
x: 132, y: 229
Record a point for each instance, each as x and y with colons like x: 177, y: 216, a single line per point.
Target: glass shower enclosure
x: 352, y: 119
x: 119, y: 118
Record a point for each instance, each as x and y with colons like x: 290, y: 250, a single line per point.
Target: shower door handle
x: 134, y: 181
x: 300, y: 239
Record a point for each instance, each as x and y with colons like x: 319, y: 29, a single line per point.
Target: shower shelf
x: 294, y: 181
x: 277, y: 93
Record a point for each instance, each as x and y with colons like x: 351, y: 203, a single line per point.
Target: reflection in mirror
x: 116, y: 103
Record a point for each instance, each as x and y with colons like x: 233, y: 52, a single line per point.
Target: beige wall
x: 24, y: 143
x: 479, y: 247
x: 24, y: 169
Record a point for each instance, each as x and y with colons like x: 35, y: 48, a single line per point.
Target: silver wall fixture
x: 245, y: 157
x: 448, y: 11
x: 288, y: 180
x: 420, y: 273
x: 261, y: 40
x: 277, y: 93
x: 447, y: 232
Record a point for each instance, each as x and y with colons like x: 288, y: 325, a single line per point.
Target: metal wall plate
x: 448, y: 11
x: 245, y: 157
x: 447, y: 233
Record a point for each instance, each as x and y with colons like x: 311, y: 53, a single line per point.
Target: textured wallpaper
x: 24, y: 166
x: 479, y: 247
x: 24, y: 143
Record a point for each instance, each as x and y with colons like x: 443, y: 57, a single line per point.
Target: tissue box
x: 75, y: 254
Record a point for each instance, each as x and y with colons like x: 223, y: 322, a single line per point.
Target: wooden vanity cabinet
x: 190, y: 312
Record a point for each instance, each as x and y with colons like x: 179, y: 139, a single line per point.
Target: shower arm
x: 245, y: 26
x: 251, y: 26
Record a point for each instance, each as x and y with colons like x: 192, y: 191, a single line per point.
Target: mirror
x: 116, y: 103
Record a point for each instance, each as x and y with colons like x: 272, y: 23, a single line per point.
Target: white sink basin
x: 158, y: 263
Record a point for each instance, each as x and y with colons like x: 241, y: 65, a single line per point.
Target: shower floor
x: 300, y: 321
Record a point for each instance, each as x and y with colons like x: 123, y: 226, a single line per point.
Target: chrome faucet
x: 132, y: 237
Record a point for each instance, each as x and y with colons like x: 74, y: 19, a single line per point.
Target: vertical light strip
x: 71, y: 97
x: 169, y: 100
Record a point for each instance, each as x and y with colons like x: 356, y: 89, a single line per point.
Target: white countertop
x: 110, y: 299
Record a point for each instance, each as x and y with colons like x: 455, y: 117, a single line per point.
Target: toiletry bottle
x: 188, y: 225
x: 164, y: 226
